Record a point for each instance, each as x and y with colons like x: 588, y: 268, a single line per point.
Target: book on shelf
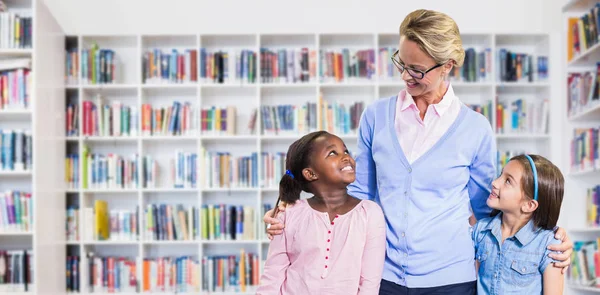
x: 170, y: 222
x: 15, y: 85
x: 218, y: 120
x: 98, y: 66
x: 101, y: 223
x: 170, y: 67
x: 522, y: 116
x: 110, y: 171
x: 72, y: 66
x: 178, y: 119
x: 288, y: 119
x: 583, y: 90
x: 288, y: 66
x: 223, y: 222
x: 171, y: 275
x: 262, y: 233
x: 111, y: 274
x: 72, y: 171
x: 503, y: 156
x: 585, y: 264
x: 346, y: 65
x: 521, y: 67
x: 338, y: 117
x: 108, y: 119
x: 15, y: 31
x: 228, y: 66
x: 484, y: 109
x: 16, y: 211
x: 585, y: 149
x: 17, y: 271
x: 73, y: 224
x: 230, y: 273
x: 593, y: 206
x: 16, y: 150
x: 583, y: 32
x: 221, y: 169
x: 73, y: 274
x: 72, y: 118
x: 273, y: 168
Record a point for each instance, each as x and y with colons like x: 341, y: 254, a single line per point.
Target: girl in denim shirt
x: 511, y: 246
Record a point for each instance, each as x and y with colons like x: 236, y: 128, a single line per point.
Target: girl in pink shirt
x: 333, y: 243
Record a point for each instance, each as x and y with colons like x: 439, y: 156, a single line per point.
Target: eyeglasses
x: 417, y: 74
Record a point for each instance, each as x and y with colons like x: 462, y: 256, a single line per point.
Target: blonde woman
x: 428, y: 161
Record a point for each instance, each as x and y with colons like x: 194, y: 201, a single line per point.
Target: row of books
x: 583, y: 90
x: 98, y: 65
x: 522, y: 116
x: 218, y: 120
x: 585, y: 264
x: 172, y: 66
x: 593, y: 206
x: 291, y: 65
x: 179, y: 274
x: 484, y: 109
x: 16, y: 211
x: 583, y: 32
x: 15, y: 31
x: 346, y: 65
x: 477, y: 67
x: 72, y: 66
x: 16, y: 271
x: 178, y: 119
x: 15, y: 89
x: 17, y: 151
x: 104, y: 119
x: 286, y: 119
x: 228, y: 66
x: 503, y: 156
x: 209, y: 169
x: 585, y: 149
x: 101, y: 223
x: 521, y: 67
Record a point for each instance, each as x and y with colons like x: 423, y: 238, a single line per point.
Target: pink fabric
x: 314, y: 256
x: 417, y: 136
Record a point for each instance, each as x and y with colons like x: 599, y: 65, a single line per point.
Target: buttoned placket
x: 328, y: 246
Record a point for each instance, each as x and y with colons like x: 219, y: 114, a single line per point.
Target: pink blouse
x: 316, y: 256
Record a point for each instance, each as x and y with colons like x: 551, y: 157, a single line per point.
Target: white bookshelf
x: 577, y: 181
x: 131, y: 90
x: 43, y: 118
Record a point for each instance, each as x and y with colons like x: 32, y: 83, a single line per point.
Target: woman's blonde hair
x: 436, y: 34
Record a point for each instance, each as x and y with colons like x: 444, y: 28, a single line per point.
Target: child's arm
x: 553, y: 278
x: 374, y: 253
x: 274, y: 272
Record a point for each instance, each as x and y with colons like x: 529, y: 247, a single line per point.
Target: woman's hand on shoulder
x: 564, y: 250
x: 274, y: 225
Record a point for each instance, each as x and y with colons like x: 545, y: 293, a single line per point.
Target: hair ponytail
x: 289, y: 188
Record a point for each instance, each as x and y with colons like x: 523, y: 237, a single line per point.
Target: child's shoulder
x: 371, y: 209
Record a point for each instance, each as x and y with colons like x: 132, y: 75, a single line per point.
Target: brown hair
x: 436, y: 34
x: 550, y: 189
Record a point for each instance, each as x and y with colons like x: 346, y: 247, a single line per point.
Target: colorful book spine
x: 222, y: 222
x: 109, y: 119
x: 15, y: 89
x: 109, y: 171
x: 98, y: 66
x: 15, y: 30
x: 72, y: 171
x: 583, y: 32
x: 228, y: 66
x: 73, y: 274
x: 593, y: 206
x: 16, y: 267
x: 289, y: 119
x: 386, y: 68
x: 230, y: 273
x: 273, y: 168
x: 108, y: 224
x: 520, y: 67
x: 223, y: 170
x: 112, y: 274
x: 72, y: 117
x: 16, y: 211
x: 292, y: 65
x: 585, y: 264
x: 484, y: 109
x: 346, y: 65
x: 218, y: 120
x: 72, y: 66
x: 171, y: 222
x: 585, y: 149
x: 178, y: 119
x: 583, y: 90
x: 170, y: 67
x: 340, y: 118
x: 16, y: 150
x: 73, y: 224
x: 262, y: 233
x: 171, y: 275
x: 504, y: 156
x: 522, y: 116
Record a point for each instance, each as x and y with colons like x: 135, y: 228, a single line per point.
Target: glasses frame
x: 401, y: 67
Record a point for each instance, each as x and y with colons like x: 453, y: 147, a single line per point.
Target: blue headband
x: 535, y: 178
x: 288, y: 172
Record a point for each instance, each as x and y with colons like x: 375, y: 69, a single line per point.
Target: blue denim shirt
x: 515, y: 266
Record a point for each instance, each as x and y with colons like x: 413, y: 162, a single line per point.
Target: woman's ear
x: 309, y: 174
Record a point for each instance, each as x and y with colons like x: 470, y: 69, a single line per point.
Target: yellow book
x: 102, y: 224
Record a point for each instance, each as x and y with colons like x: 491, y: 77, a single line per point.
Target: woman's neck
x: 433, y: 97
x: 512, y: 223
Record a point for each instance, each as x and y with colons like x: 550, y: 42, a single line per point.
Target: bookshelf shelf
x: 591, y: 54
x: 584, y: 288
x: 15, y: 52
x: 591, y: 113
x: 595, y: 230
x: 586, y: 172
x: 578, y: 6
x: 259, y: 96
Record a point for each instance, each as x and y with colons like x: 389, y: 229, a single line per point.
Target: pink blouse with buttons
x: 317, y: 256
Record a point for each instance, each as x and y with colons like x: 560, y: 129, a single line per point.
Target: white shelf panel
x: 585, y: 230
x: 584, y: 172
x: 524, y: 136
x: 15, y: 234
x: 578, y: 6
x: 584, y: 288
x: 15, y: 52
x: 16, y: 113
x: 235, y: 242
x: 588, y: 57
x: 15, y: 173
x: 109, y: 138
x: 592, y: 113
x: 110, y: 86
x: 119, y: 243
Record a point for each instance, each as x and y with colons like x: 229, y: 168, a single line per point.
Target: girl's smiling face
x: 507, y: 191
